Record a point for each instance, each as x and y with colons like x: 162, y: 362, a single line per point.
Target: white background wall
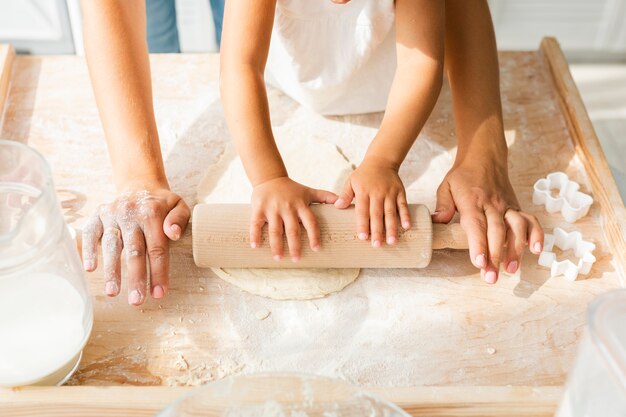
x: 37, y: 26
x: 580, y: 25
x: 592, y: 29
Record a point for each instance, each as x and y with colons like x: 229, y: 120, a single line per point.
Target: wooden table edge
x: 7, y: 56
x: 467, y: 401
x: 589, y: 150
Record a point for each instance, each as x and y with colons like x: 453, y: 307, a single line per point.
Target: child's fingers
x: 403, y: 210
x: 391, y: 220
x: 135, y: 252
x: 176, y: 220
x: 309, y: 221
x: 376, y: 221
x: 362, y: 210
x: 474, y: 223
x: 346, y: 197
x: 534, y: 233
x: 515, y: 240
x: 157, y: 249
x: 275, y: 231
x: 257, y: 221
x: 496, y: 235
x: 92, y: 234
x: 292, y: 231
x: 112, y: 259
x: 323, y: 196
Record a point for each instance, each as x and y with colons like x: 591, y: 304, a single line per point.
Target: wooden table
x: 447, y: 344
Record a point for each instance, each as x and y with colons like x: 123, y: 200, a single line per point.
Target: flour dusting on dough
x: 289, y: 284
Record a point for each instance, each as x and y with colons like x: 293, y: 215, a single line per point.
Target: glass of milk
x: 46, y: 315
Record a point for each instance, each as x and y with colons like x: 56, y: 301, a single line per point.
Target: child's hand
x: 380, y: 197
x: 141, y: 221
x: 283, y: 204
x: 490, y: 215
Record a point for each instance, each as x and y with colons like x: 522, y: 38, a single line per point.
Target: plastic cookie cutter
x: 572, y: 203
x: 563, y: 240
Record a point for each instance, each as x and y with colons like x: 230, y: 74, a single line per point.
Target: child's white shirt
x: 335, y: 59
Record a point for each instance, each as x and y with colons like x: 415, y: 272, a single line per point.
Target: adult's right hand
x: 140, y: 222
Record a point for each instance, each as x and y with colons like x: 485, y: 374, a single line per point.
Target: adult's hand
x: 139, y: 223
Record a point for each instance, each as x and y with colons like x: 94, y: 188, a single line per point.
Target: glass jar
x: 596, y: 385
x: 46, y: 314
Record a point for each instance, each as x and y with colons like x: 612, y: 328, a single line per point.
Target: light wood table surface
x: 464, y: 348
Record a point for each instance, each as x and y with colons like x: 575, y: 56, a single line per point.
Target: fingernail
x: 176, y: 230
x: 316, y: 248
x: 406, y: 225
x: 277, y: 258
x: 537, y: 247
x: 339, y: 202
x: 512, y: 267
x: 158, y: 292
x: 491, y: 277
x: 481, y: 260
x: 391, y: 240
x: 110, y: 288
x: 376, y: 243
x: 253, y: 245
x: 89, y: 264
x: 362, y: 236
x: 134, y: 297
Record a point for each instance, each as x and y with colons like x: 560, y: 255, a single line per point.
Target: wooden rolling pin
x: 221, y: 239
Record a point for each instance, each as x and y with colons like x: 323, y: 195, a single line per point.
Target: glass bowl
x: 281, y: 395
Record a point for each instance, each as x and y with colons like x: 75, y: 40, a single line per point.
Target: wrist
x: 139, y: 164
x: 268, y: 170
x: 269, y: 179
x: 484, y: 150
x: 141, y: 181
x: 388, y: 149
x: 381, y: 160
x: 487, y: 163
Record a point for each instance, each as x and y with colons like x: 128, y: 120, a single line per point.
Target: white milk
x: 41, y: 327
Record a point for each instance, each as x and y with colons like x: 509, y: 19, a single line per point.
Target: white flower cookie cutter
x: 572, y: 203
x: 563, y: 240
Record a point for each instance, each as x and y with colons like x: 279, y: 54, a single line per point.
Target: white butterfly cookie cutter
x: 572, y: 203
x: 563, y: 240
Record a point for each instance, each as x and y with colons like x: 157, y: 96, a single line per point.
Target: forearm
x: 242, y: 64
x: 117, y: 57
x: 473, y: 73
x: 247, y: 113
x: 413, y: 94
x: 418, y: 78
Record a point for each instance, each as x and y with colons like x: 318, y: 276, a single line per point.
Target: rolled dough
x: 289, y: 284
x: 310, y: 161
